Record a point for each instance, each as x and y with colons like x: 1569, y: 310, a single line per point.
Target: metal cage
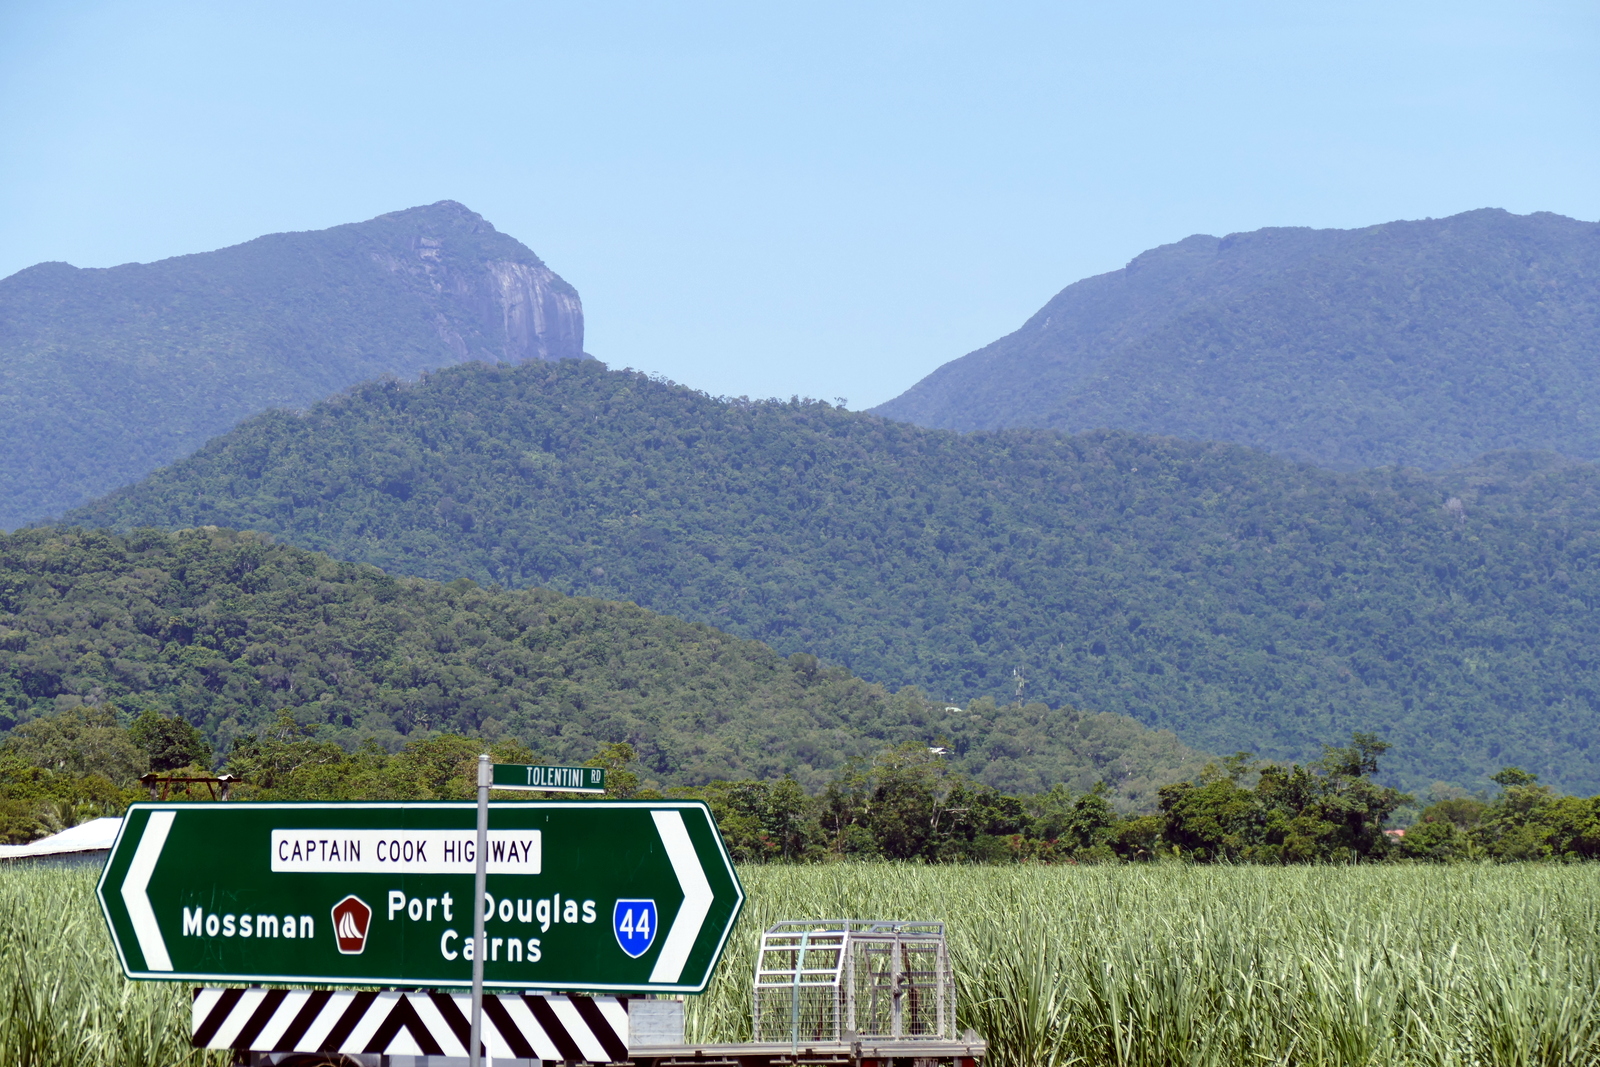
x: 841, y: 979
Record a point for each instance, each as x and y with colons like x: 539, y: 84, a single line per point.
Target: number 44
x: 629, y: 929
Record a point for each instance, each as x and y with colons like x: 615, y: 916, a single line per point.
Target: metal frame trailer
x: 818, y: 1054
x: 826, y: 993
x: 842, y: 993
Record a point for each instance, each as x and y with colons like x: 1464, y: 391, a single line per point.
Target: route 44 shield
x: 634, y: 922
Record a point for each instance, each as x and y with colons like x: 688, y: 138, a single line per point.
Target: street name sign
x: 549, y: 779
x: 605, y: 896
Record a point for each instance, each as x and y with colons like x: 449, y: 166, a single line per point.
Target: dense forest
x: 111, y: 372
x: 1424, y: 343
x: 903, y: 802
x: 224, y: 630
x: 1240, y: 600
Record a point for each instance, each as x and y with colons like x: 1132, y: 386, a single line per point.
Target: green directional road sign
x: 549, y: 779
x: 581, y: 895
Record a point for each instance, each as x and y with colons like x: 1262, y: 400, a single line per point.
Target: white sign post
x: 480, y: 891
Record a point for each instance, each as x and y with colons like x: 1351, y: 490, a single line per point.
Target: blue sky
x: 823, y: 199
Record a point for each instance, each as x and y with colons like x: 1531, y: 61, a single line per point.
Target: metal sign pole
x: 480, y: 890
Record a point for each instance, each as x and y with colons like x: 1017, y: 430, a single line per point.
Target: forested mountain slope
x: 1421, y: 343
x: 107, y: 374
x: 1241, y: 600
x: 226, y: 628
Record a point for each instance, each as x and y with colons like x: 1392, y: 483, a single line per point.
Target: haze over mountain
x: 106, y: 374
x: 1235, y: 597
x: 1420, y: 343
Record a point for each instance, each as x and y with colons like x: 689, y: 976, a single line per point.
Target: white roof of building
x: 96, y: 835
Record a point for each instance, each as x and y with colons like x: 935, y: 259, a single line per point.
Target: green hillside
x: 107, y: 374
x: 225, y: 628
x: 1236, y: 598
x: 1420, y: 343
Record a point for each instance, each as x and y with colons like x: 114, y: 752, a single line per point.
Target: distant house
x: 88, y: 842
x: 1396, y: 834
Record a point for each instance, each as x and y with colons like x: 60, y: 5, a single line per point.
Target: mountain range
x: 105, y: 374
x: 1259, y: 490
x: 1424, y: 344
x: 1237, y: 598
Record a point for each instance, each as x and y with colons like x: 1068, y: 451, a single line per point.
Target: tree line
x: 906, y: 802
x: 223, y: 629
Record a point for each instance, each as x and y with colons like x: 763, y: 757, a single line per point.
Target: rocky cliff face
x: 107, y: 374
x: 510, y: 309
x: 539, y: 319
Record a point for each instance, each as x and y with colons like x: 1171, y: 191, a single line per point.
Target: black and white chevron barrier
x: 571, y: 1028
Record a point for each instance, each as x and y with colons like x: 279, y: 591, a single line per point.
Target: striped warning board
x: 571, y: 1028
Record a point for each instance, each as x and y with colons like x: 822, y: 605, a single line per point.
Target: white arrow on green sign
x: 581, y: 895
